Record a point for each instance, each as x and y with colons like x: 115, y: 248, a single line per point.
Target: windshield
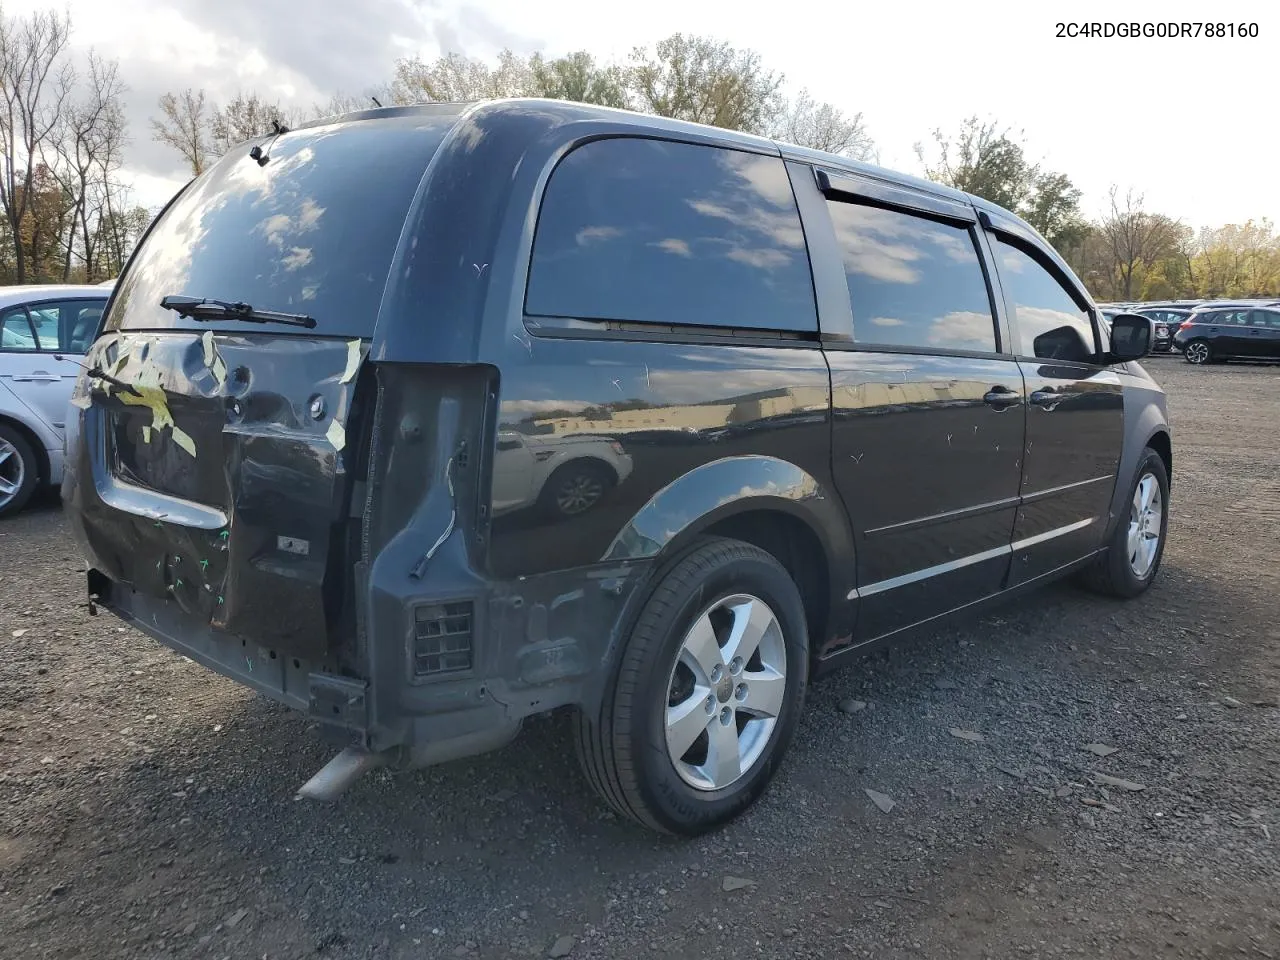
x: 312, y: 231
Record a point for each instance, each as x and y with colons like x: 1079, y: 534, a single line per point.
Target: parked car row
x: 1214, y: 330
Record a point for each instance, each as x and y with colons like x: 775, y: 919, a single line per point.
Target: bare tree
x: 822, y: 126
x: 1136, y: 238
x: 35, y: 81
x: 185, y: 125
x: 456, y: 78
x: 245, y: 117
x: 90, y: 150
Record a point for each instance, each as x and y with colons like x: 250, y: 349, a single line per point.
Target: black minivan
x: 425, y: 420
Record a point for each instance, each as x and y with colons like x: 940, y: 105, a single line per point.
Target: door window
x: 1053, y: 326
x: 913, y: 281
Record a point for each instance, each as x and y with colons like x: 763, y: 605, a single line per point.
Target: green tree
x: 707, y: 81
x: 982, y: 159
x: 577, y: 76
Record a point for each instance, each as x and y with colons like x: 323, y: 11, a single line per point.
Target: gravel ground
x: 146, y: 806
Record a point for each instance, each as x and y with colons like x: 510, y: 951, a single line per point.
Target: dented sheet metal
x: 220, y: 454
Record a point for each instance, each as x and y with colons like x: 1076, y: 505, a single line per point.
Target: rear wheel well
x: 34, y: 442
x: 1161, y: 444
x: 794, y: 545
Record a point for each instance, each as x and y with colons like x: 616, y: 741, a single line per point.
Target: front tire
x: 1133, y: 555
x: 19, y: 471
x: 706, y: 698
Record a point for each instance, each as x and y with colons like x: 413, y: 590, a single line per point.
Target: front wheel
x: 1198, y: 352
x: 1133, y: 555
x: 706, y: 697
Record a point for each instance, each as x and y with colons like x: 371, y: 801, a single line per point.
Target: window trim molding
x: 679, y: 332
x: 845, y: 187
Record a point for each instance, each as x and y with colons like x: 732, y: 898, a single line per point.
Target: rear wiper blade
x: 198, y: 308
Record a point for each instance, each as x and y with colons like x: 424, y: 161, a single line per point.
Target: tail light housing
x: 1185, y: 323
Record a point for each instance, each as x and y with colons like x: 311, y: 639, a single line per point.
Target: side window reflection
x: 1049, y: 320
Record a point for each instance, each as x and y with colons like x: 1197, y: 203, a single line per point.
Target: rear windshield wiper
x: 205, y: 309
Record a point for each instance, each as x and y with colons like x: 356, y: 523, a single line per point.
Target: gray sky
x: 1165, y: 117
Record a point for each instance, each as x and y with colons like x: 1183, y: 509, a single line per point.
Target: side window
x: 671, y: 233
x: 1266, y: 318
x: 45, y: 318
x: 82, y: 322
x: 913, y: 282
x: 1052, y: 325
x: 16, y: 332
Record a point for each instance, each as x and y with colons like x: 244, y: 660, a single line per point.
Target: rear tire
x: 1130, y: 562
x: 1198, y: 352
x: 19, y: 471
x: 721, y: 590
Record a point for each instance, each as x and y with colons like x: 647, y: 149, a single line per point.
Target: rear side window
x: 1052, y: 325
x: 1266, y: 318
x: 649, y: 231
x: 312, y: 231
x: 913, y: 282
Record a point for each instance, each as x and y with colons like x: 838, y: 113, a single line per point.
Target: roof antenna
x: 375, y: 101
x: 261, y: 155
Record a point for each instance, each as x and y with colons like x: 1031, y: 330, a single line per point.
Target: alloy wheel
x: 579, y: 493
x: 1146, y: 521
x: 1197, y: 352
x: 12, y: 471
x: 727, y: 688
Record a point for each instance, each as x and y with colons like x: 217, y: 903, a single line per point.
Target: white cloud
x: 1062, y: 92
x: 674, y: 245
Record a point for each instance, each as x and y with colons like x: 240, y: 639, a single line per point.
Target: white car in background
x: 564, y: 476
x: 44, y: 333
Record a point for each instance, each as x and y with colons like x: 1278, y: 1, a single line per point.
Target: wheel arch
x: 768, y: 502
x: 1146, y: 425
x: 1160, y: 442
x: 590, y: 458
x: 34, y: 442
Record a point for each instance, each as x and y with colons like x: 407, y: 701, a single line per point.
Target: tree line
x: 66, y: 214
x: 1130, y: 252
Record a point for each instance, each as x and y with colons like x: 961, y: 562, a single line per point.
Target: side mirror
x: 1130, y: 337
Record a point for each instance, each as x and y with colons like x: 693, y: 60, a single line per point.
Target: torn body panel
x: 208, y: 479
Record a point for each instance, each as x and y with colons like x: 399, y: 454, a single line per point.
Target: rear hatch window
x: 311, y: 231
